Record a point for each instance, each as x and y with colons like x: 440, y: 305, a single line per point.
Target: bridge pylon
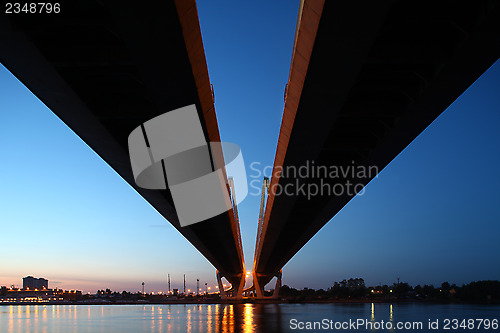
x: 235, y: 292
x: 259, y: 289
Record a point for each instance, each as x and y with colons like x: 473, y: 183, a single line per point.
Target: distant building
x: 36, y: 295
x: 33, y: 283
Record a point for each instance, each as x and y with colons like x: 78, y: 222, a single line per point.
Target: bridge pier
x: 235, y: 291
x: 221, y: 286
x: 259, y: 290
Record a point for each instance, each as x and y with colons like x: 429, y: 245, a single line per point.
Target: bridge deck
x: 365, y: 81
x: 104, y: 69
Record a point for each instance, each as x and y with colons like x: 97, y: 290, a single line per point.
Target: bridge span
x: 105, y: 68
x: 366, y: 78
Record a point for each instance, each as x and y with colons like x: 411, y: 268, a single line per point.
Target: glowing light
x: 248, y: 325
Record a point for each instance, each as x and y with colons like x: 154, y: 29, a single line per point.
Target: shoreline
x: 245, y: 301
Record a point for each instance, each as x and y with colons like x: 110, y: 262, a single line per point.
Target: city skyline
x: 429, y: 217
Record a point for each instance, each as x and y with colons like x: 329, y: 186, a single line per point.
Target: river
x: 367, y: 317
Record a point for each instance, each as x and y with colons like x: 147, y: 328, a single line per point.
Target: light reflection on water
x: 216, y: 318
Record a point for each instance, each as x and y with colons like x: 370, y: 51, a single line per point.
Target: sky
x: 432, y: 215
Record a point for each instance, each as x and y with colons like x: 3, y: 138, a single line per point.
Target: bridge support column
x: 278, y: 285
x: 235, y: 291
x: 259, y: 290
x: 221, y: 286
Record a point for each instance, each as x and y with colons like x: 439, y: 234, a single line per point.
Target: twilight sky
x: 432, y: 215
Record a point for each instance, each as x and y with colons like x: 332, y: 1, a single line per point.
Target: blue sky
x: 431, y: 215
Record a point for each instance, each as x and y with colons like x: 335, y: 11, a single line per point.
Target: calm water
x: 238, y: 318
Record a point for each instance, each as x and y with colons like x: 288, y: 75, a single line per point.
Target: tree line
x: 355, y: 289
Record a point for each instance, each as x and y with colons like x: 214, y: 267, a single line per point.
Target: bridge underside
x: 105, y: 68
x: 365, y: 81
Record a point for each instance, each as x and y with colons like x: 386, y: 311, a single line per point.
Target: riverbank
x: 243, y: 301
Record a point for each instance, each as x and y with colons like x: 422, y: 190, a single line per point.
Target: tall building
x: 32, y: 283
